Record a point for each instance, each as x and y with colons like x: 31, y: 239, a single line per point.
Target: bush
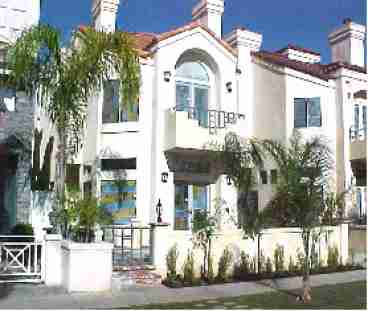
x: 292, y: 267
x: 333, y: 257
x: 171, y: 259
x: 22, y: 229
x: 268, y: 265
x: 224, y: 265
x: 211, y: 274
x: 279, y: 258
x: 253, y: 265
x: 244, y: 266
x: 300, y: 260
x: 188, y: 270
x: 315, y: 263
x: 262, y: 263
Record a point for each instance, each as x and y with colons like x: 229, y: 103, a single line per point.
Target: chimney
x: 104, y: 14
x: 347, y: 43
x: 242, y: 39
x: 209, y: 13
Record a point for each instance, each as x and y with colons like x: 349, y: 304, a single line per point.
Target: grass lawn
x: 341, y: 296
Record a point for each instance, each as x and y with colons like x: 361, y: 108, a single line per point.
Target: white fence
x: 20, y: 258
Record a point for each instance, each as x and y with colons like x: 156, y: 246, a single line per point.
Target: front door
x: 189, y: 200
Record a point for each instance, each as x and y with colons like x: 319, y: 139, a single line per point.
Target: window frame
x: 307, y: 101
x: 120, y: 108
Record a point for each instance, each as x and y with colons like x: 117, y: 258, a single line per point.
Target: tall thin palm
x: 304, y: 168
x: 63, y: 79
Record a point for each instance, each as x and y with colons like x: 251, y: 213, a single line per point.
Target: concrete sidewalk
x: 28, y: 296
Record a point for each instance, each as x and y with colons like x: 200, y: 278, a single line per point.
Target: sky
x: 303, y: 23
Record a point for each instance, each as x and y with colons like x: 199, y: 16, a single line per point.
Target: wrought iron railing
x: 358, y: 134
x: 132, y: 245
x: 211, y: 119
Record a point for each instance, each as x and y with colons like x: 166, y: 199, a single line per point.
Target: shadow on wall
x: 5, y: 290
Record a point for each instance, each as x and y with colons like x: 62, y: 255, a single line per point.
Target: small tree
x: 304, y: 168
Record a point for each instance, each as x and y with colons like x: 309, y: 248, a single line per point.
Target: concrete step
x: 134, y: 277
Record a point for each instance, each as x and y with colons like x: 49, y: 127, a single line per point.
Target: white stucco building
x: 197, y: 85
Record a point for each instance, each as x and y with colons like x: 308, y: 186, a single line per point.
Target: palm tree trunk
x: 307, y: 290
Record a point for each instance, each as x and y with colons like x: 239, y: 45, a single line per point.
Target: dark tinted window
x: 118, y: 164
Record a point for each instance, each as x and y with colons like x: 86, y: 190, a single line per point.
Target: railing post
x: 52, y: 260
x: 160, y: 245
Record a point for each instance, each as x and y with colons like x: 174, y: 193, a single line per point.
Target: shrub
x: 22, y: 229
x: 188, y: 270
x: 211, y: 275
x: 262, y: 263
x: 315, y: 263
x: 244, y: 266
x: 171, y: 259
x: 268, y: 265
x: 224, y: 265
x: 300, y: 260
x: 279, y: 258
x: 333, y: 257
x: 253, y: 265
x: 292, y: 266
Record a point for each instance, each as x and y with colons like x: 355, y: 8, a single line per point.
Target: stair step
x: 135, y: 277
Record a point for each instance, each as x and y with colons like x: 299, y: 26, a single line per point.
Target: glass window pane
x: 300, y: 113
x: 356, y: 117
x: 314, y: 112
x: 192, y: 71
x: 365, y: 120
x: 181, y: 214
x: 110, y: 111
x: 120, y: 198
x: 199, y: 197
x: 183, y: 97
x: 264, y: 177
x: 273, y: 177
x: 201, y: 105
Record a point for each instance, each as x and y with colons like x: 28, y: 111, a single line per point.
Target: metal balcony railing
x: 358, y: 134
x: 211, y: 119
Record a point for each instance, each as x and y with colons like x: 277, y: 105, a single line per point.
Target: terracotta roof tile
x: 316, y: 70
x: 329, y: 68
x: 361, y: 94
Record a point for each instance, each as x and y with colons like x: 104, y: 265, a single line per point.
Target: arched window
x: 192, y: 89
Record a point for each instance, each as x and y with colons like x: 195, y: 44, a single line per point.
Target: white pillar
x: 344, y: 242
x: 160, y: 246
x: 52, y: 260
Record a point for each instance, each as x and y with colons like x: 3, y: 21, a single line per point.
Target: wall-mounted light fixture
x: 164, y: 177
x: 238, y: 71
x: 167, y: 76
x: 228, y: 180
x: 159, y: 211
x: 229, y: 87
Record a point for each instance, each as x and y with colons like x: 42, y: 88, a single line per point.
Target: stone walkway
x: 28, y: 296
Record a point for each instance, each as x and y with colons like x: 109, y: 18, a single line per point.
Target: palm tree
x: 63, y: 79
x: 304, y: 168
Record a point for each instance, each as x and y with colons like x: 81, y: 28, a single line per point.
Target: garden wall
x: 289, y: 238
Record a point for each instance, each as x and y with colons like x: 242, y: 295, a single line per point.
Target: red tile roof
x: 322, y: 71
x: 316, y: 70
x: 298, y: 48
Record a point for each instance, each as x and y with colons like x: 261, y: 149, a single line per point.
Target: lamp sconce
x: 167, y: 76
x: 228, y: 180
x: 229, y: 87
x: 238, y: 71
x: 164, y: 177
x: 51, y: 186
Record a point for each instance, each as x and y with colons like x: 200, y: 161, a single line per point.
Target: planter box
x: 86, y: 266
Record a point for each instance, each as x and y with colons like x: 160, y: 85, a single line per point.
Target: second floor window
x: 114, y: 110
x: 192, y: 88
x: 307, y: 112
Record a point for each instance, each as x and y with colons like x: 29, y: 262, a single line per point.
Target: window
x: 247, y: 207
x: 118, y: 164
x: 72, y: 175
x: 307, y: 112
x: 264, y: 177
x: 121, y: 198
x: 114, y: 111
x: 192, y: 89
x: 7, y: 100
x: 273, y: 177
x: 189, y: 200
x: 356, y: 117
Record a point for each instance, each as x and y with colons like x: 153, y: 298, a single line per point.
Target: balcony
x: 190, y: 128
x: 358, y: 143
